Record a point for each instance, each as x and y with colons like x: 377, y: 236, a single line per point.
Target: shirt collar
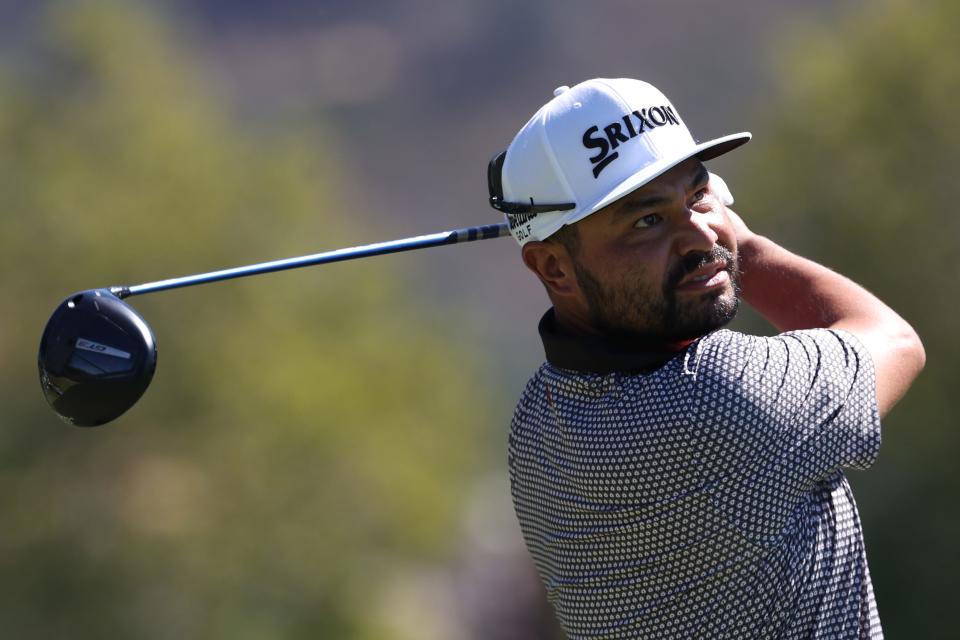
x: 597, y: 354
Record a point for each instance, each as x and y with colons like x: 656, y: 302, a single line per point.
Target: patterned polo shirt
x: 699, y: 494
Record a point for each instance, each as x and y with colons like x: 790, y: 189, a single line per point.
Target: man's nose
x: 696, y: 233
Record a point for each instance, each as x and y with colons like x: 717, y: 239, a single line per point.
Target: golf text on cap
x: 517, y: 219
x: 647, y: 119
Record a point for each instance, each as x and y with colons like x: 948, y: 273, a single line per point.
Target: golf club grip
x: 467, y: 234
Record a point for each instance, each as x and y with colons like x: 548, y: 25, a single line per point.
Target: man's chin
x: 694, y: 320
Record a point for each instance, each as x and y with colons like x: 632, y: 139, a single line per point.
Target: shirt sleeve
x: 780, y: 414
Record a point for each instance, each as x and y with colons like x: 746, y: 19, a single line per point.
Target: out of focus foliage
x: 306, y: 436
x: 858, y: 171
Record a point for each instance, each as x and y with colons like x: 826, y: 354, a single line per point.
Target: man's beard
x: 645, y: 313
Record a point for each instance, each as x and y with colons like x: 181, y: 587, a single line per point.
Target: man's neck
x: 577, y: 326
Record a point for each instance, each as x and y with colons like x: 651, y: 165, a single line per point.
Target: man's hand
x: 743, y: 234
x: 719, y: 188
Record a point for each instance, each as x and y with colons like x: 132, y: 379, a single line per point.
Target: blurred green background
x: 322, y: 452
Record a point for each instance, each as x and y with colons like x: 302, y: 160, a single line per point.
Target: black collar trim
x: 589, y: 354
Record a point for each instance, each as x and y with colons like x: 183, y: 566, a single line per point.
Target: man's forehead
x: 687, y: 175
x: 690, y: 173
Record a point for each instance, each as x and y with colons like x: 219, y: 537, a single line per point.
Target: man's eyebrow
x: 702, y: 177
x: 632, y: 204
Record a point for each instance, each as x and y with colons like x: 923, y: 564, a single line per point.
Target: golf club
x: 98, y: 355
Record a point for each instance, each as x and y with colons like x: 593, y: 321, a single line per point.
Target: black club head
x: 97, y: 357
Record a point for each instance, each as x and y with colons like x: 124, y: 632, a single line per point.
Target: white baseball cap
x: 589, y: 146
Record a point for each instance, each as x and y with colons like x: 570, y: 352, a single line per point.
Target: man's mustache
x: 697, y: 259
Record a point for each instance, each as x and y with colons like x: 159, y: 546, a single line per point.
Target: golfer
x: 674, y: 479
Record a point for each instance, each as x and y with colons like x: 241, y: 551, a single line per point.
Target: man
x: 674, y: 479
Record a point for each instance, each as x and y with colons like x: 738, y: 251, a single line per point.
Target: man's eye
x: 648, y: 221
x: 700, y: 200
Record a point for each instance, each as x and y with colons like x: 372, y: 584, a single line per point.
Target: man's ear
x: 553, y: 264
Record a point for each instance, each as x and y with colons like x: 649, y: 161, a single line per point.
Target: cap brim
x: 703, y: 151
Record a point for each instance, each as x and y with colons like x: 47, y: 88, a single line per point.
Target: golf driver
x: 98, y: 355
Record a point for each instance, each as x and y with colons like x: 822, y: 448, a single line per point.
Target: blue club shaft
x: 467, y: 234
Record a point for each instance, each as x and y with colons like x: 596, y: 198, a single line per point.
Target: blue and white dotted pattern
x: 705, y: 499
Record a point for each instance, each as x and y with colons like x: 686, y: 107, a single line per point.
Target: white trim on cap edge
x: 647, y: 174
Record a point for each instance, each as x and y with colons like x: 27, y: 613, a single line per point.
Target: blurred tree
x: 856, y: 171
x: 306, y: 437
